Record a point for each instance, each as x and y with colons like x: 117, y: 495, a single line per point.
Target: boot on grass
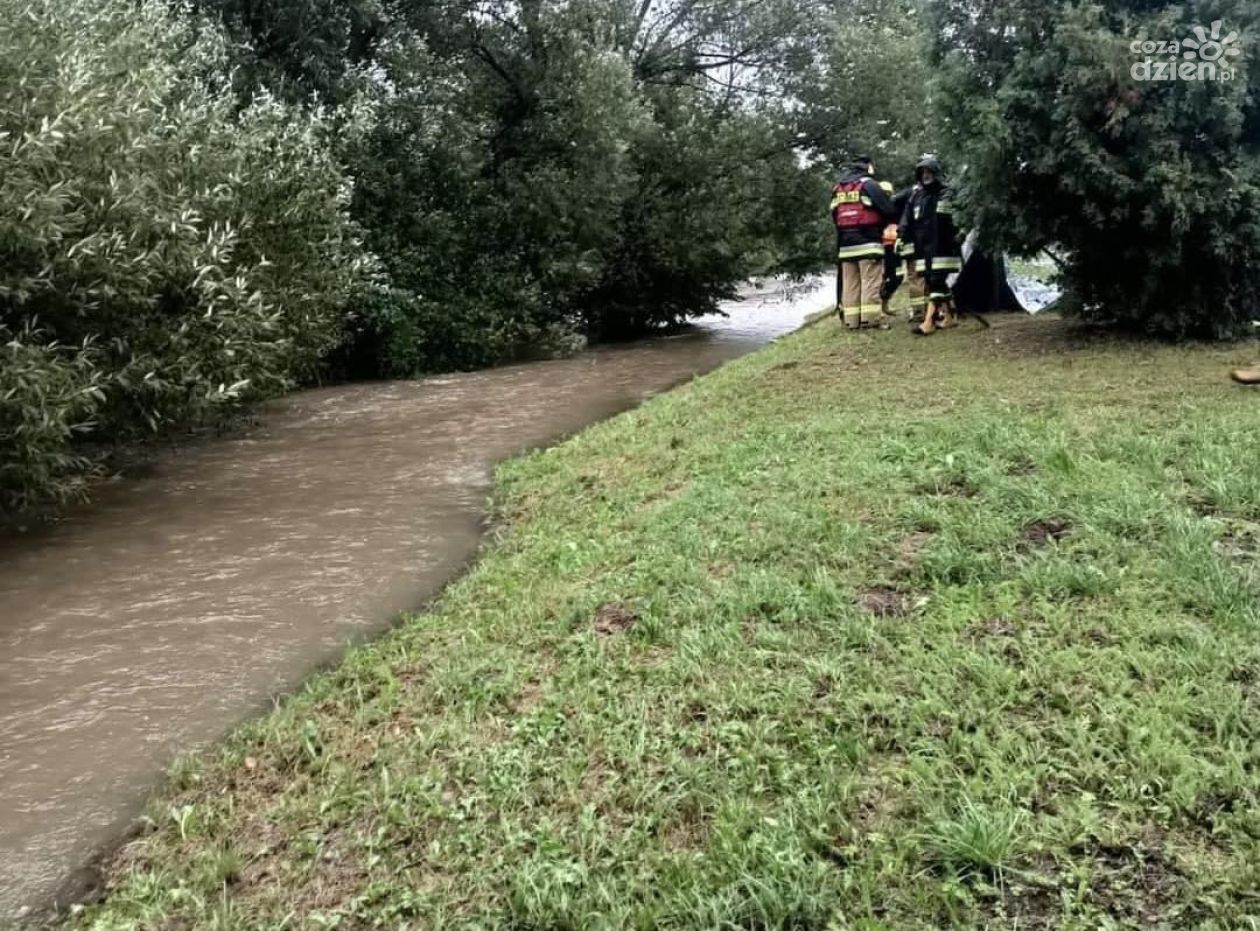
x: 928, y: 326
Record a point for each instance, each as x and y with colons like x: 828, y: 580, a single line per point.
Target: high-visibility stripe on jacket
x: 870, y: 250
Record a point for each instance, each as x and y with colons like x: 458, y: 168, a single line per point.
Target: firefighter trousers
x: 918, y: 289
x: 861, y: 281
x: 938, y: 290
x: 927, y: 288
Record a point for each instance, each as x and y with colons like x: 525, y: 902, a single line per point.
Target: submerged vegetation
x: 972, y: 645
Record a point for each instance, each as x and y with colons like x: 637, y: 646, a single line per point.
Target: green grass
x: 860, y: 632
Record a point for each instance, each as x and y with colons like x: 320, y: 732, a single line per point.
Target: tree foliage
x: 546, y: 171
x: 599, y: 167
x: 300, y: 48
x: 867, y: 89
x: 165, y: 255
x: 212, y: 202
x: 1147, y: 189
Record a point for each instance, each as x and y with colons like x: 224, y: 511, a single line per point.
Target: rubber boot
x: 1246, y: 376
x: 928, y: 326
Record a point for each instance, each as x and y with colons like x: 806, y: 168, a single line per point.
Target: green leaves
x: 550, y: 171
x: 49, y: 395
x: 167, y: 255
x: 1146, y: 187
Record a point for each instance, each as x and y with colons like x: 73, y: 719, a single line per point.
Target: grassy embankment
x: 859, y: 632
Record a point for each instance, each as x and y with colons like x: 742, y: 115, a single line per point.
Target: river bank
x: 182, y: 600
x: 859, y: 631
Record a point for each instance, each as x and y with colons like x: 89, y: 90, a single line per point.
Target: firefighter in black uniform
x: 927, y: 228
x: 860, y: 209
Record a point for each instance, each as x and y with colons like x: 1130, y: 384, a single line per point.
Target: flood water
x: 181, y: 601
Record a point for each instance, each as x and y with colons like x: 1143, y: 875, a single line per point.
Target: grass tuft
x: 975, y: 838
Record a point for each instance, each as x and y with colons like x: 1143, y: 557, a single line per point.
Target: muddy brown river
x: 182, y: 601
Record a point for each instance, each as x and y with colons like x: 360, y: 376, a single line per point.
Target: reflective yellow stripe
x: 865, y: 251
x: 947, y: 264
x: 848, y: 197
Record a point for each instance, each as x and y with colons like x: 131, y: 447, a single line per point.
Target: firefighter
x: 927, y: 227
x: 860, y: 209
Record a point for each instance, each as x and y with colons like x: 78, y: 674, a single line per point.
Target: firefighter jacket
x: 860, y: 209
x: 927, y: 228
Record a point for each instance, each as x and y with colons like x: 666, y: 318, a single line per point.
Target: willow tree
x: 167, y: 254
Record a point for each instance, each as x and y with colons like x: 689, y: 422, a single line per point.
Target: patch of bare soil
x: 959, y: 486
x: 885, y: 602
x: 1018, y: 336
x: 530, y: 699
x: 696, y: 712
x: 992, y: 628
x: 687, y: 833
x: 1247, y: 677
x: 912, y: 544
x: 874, y: 812
x: 1030, y: 900
x: 1022, y: 468
x: 909, y: 553
x: 952, y: 486
x: 1042, y: 533
x: 1136, y: 885
x: 615, y: 618
x: 1241, y: 542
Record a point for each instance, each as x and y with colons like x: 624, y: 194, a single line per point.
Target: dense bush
x: 1149, y: 189
x: 493, y: 208
x: 164, y: 255
x: 715, y: 200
